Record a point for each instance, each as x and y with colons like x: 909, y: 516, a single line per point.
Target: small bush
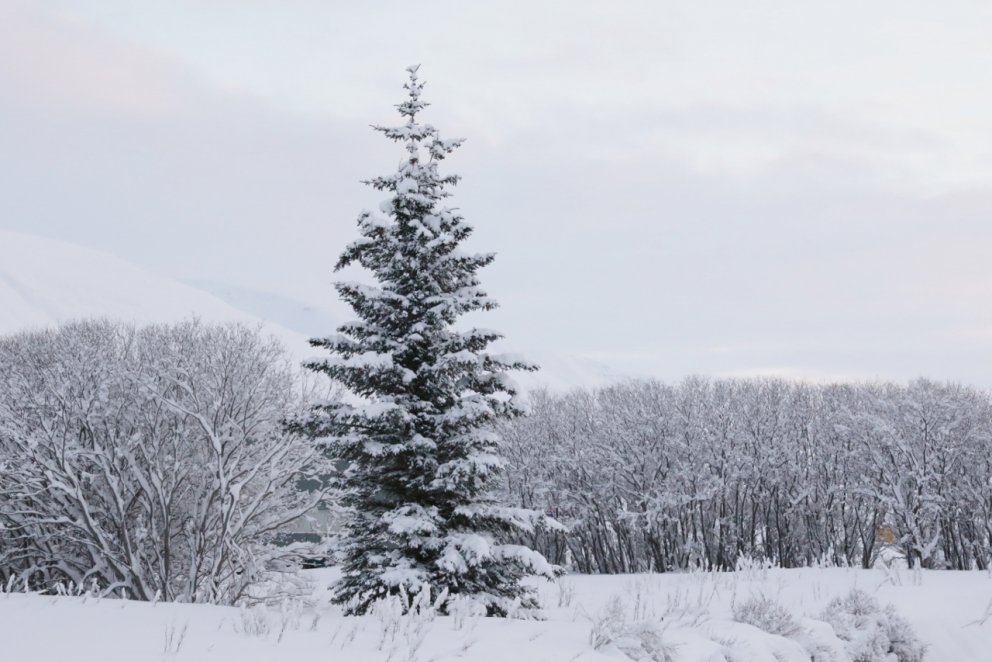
x: 641, y: 641
x: 767, y: 615
x: 871, y: 633
x: 902, y: 639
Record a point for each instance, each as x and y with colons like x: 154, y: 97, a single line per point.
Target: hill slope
x: 45, y: 281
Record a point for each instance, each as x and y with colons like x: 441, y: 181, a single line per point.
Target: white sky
x: 798, y: 188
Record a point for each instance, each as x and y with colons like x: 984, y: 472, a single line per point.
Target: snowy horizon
x: 792, y: 191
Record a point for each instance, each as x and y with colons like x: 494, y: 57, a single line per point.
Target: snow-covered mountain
x: 289, y: 312
x: 561, y: 371
x: 45, y: 281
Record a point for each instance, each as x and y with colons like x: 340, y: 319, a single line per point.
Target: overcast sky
x: 794, y: 188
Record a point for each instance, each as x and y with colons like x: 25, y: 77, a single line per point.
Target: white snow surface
x: 690, y: 614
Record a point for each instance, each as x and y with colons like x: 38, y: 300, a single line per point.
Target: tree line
x: 655, y: 477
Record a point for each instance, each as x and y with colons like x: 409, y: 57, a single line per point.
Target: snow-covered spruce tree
x: 418, y: 440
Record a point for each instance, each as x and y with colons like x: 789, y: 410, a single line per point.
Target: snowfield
x: 680, y: 617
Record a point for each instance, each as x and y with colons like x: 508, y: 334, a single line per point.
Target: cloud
x: 59, y: 60
x: 113, y: 145
x: 648, y: 205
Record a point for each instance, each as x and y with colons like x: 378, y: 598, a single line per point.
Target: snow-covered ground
x: 689, y: 616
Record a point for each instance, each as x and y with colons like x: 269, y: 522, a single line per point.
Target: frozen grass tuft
x: 405, y: 620
x: 565, y: 591
x: 253, y: 621
x: 766, y: 614
x: 174, y: 639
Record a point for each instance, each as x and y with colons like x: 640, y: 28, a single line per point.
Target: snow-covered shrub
x: 152, y: 462
x: 639, y: 640
x: 872, y: 633
x: 903, y: 641
x: 766, y: 614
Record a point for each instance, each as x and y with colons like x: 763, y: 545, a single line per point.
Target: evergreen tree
x: 419, y: 441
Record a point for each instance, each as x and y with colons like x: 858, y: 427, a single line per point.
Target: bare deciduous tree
x: 147, y: 462
x: 650, y: 476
